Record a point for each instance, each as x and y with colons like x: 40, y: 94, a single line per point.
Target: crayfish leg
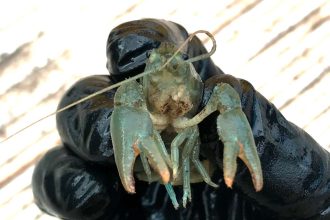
x: 171, y: 193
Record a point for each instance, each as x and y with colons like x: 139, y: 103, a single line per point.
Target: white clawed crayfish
x: 165, y: 103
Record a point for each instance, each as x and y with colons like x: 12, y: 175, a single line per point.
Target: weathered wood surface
x: 281, y: 47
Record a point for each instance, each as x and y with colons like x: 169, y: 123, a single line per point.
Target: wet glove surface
x: 295, y: 167
x: 85, y: 128
x: 68, y: 187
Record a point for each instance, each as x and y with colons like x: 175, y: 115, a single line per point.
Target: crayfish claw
x: 149, y: 153
x: 171, y: 193
x: 133, y: 134
x: 251, y: 160
x: 229, y: 163
x: 149, y: 147
x: 125, y: 170
x: 235, y: 132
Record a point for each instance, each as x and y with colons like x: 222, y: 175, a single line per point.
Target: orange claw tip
x: 130, y: 188
x: 128, y: 184
x: 229, y: 181
x: 258, y: 185
x: 258, y: 189
x: 165, y: 175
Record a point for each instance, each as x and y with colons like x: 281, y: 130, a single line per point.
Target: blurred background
x: 45, y: 46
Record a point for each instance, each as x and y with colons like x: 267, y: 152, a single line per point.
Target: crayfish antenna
x: 206, y: 55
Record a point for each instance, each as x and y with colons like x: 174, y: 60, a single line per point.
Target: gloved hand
x: 79, y: 180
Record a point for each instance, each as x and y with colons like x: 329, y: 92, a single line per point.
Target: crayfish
x: 164, y: 103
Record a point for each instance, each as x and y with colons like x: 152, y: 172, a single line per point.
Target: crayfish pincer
x: 134, y: 135
x: 165, y: 103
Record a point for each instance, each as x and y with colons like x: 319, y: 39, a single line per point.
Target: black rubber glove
x: 70, y: 188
